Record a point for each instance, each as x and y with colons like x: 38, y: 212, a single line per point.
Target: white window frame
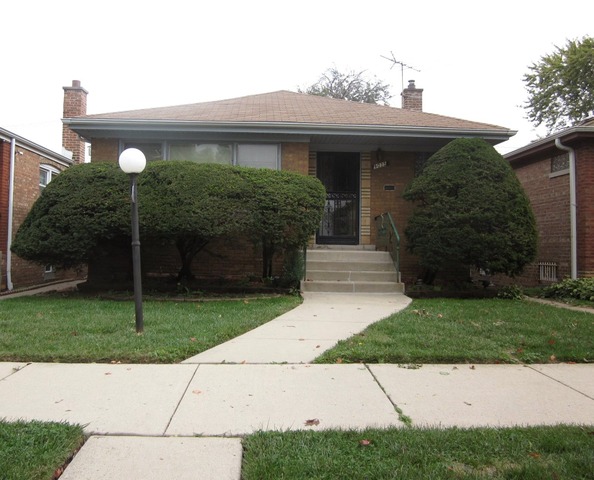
x: 51, y: 173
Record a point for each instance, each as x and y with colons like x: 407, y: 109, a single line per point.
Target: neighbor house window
x: 46, y: 174
x: 202, y: 152
x: 152, y: 151
x: 259, y: 156
x: 560, y: 163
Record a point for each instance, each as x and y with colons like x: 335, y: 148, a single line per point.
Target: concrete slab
x: 10, y: 368
x: 241, y: 399
x: 156, y: 458
x: 109, y: 399
x: 301, y: 335
x: 482, y: 395
x: 580, y: 377
x: 263, y: 350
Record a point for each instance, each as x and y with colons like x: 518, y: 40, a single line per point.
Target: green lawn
x: 477, y: 331
x: 556, y: 453
x: 78, y: 329
x: 36, y: 450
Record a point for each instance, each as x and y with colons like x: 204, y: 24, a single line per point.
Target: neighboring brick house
x: 552, y: 171
x: 364, y: 154
x: 25, y: 169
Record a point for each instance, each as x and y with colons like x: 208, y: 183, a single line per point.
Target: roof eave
x: 548, y: 143
x: 85, y: 126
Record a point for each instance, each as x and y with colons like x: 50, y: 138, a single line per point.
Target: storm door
x: 339, y: 172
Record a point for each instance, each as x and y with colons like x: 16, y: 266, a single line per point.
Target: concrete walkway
x: 302, y: 334
x: 186, y: 421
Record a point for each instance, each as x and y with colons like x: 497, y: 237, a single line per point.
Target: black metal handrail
x: 388, y: 237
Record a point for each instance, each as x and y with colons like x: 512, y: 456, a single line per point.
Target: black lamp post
x: 132, y: 161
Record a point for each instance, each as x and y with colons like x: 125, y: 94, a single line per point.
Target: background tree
x: 561, y: 86
x: 350, y: 86
x: 471, y: 210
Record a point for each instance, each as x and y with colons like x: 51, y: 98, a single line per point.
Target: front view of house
x: 364, y: 154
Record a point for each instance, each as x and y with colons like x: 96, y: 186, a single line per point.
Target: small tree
x: 561, y: 85
x: 286, y: 210
x: 471, y: 210
x: 79, y: 210
x: 350, y: 86
x: 190, y: 204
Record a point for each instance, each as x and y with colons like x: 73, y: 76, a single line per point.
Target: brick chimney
x: 412, y: 97
x: 75, y: 105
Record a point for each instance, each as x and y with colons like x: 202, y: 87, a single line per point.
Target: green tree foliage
x: 287, y: 210
x: 350, y: 86
x: 471, y: 210
x: 561, y: 85
x: 189, y: 204
x: 184, y: 203
x: 81, y: 208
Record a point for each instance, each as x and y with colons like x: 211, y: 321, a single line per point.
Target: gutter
x: 572, y: 205
x: 9, y: 284
x: 82, y: 126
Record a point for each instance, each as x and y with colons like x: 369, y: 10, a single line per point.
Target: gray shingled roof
x: 285, y: 107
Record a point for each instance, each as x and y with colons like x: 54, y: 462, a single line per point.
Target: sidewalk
x: 170, y: 410
x: 186, y: 420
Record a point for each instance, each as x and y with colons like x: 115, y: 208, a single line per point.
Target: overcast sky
x: 132, y: 54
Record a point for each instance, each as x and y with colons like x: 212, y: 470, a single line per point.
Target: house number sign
x: 379, y: 165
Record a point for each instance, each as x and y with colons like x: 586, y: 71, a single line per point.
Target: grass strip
x: 472, y: 331
x: 559, y: 452
x: 36, y: 450
x: 78, y: 329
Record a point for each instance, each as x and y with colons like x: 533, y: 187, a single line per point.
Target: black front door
x: 339, y: 172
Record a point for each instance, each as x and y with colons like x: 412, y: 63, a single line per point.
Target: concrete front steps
x: 355, y: 269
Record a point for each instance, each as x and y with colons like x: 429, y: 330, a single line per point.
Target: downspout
x: 9, y: 284
x: 572, y: 205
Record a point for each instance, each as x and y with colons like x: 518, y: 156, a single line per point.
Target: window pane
x: 43, y: 177
x: 152, y: 151
x: 201, y: 152
x: 259, y: 156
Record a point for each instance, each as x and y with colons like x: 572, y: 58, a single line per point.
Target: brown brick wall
x: 105, y: 150
x: 295, y: 157
x: 399, y: 172
x: 4, y: 183
x: 585, y: 209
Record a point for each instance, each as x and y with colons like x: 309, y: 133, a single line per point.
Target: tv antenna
x: 402, y: 67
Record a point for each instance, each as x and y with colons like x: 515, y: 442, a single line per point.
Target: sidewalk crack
x: 180, y: 400
x: 559, y: 381
x: 401, y: 416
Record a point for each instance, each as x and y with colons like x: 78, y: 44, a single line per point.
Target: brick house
x: 364, y: 154
x: 557, y: 173
x: 25, y: 169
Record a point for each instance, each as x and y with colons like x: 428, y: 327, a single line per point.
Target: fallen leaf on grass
x: 553, y: 358
x: 339, y: 360
x: 365, y: 443
x: 534, y: 455
x: 312, y: 422
x: 192, y: 339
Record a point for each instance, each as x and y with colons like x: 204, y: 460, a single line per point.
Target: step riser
x: 352, y: 287
x: 353, y: 276
x: 348, y: 256
x: 351, y: 266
